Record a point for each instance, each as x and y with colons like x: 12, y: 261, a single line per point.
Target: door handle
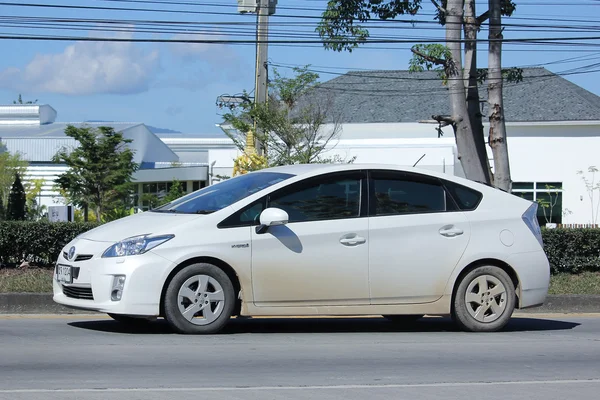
x: 450, y: 231
x: 352, y: 240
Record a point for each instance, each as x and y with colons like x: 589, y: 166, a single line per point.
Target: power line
x: 552, y: 40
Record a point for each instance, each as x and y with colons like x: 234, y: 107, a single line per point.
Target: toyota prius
x: 315, y: 240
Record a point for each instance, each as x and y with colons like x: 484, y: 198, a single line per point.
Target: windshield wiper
x: 173, y: 211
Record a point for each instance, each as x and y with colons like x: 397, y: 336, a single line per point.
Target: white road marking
x: 321, y: 387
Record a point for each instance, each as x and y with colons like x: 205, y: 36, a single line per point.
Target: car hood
x: 138, y: 224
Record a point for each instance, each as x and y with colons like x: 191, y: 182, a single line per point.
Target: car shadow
x: 325, y: 325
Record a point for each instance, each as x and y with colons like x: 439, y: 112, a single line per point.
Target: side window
x: 333, y: 197
x: 466, y: 198
x: 247, y: 216
x: 396, y: 193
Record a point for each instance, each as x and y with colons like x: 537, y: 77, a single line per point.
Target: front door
x: 320, y: 257
x: 416, y: 238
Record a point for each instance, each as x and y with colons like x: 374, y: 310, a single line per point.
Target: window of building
x: 548, y: 195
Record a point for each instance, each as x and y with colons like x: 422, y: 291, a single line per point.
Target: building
x: 31, y: 131
x: 553, y: 129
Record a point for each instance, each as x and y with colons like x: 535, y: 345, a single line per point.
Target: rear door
x: 416, y: 237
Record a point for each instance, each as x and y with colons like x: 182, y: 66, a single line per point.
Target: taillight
x: 530, y: 219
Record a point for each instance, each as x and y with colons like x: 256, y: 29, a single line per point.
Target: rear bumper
x: 533, y: 271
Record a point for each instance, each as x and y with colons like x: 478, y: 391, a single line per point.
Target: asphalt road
x: 90, y: 357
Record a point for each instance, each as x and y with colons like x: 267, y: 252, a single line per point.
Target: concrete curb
x: 42, y: 303
x: 32, y: 303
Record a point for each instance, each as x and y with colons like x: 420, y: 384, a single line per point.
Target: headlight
x: 136, y: 245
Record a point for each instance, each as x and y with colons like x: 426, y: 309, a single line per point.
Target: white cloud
x: 86, y: 68
x: 215, y: 54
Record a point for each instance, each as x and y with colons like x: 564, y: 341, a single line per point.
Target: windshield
x: 215, y: 197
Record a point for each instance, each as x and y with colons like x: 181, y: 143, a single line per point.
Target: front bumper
x: 144, y: 278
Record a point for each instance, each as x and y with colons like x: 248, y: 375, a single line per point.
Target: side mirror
x: 271, y: 217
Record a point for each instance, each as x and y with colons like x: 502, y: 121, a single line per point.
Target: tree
x: 10, y: 165
x: 497, y: 136
x: 100, y: 169
x: 17, y: 201
x: 33, y: 189
x: 20, y: 101
x: 341, y: 28
x: 175, y: 191
x: 296, y: 126
x: 592, y: 187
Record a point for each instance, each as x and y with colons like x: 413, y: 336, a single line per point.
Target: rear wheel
x: 199, y: 299
x: 403, y: 319
x: 485, y: 300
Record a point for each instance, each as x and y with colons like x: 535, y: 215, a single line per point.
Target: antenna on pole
x: 419, y: 159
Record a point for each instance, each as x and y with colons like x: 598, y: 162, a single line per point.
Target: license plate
x: 64, y: 274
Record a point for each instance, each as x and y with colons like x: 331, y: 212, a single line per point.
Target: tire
x: 403, y: 319
x: 205, y: 294
x: 129, y: 320
x: 484, y: 301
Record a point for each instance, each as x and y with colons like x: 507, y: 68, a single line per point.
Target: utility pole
x: 260, y: 86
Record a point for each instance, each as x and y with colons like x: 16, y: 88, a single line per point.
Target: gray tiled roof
x: 401, y: 96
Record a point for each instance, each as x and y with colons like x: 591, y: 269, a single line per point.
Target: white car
x: 315, y: 240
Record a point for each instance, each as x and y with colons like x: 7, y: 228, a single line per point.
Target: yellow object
x: 248, y: 162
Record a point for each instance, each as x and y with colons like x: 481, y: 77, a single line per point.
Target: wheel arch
x: 514, y: 277
x: 225, y: 267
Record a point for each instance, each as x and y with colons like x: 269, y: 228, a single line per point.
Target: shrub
x: 572, y: 250
x: 568, y: 250
x: 38, y: 242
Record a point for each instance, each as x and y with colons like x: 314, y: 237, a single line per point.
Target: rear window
x: 466, y: 199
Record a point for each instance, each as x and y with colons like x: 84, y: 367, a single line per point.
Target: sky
x: 175, y: 85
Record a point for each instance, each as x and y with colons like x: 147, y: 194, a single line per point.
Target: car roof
x: 300, y: 170
x: 317, y: 169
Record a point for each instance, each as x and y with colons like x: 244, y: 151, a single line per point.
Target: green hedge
x: 568, y: 250
x: 36, y: 242
x: 572, y: 250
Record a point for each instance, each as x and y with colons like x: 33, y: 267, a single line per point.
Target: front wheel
x: 199, y: 299
x: 485, y: 300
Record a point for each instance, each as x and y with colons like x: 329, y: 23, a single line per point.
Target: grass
x: 30, y: 280
x: 584, y: 283
x: 37, y: 280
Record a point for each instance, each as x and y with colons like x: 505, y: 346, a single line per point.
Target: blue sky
x: 175, y: 85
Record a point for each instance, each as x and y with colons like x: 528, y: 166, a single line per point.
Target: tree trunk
x: 467, y: 150
x: 497, y: 137
x: 470, y: 73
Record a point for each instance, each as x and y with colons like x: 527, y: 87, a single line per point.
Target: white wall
x: 557, y: 159
x: 223, y: 159
x: 48, y: 173
x: 539, y: 152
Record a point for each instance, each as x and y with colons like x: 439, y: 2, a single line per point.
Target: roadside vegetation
x: 39, y: 280
x: 28, y: 251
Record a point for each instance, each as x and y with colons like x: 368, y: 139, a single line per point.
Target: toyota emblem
x: 71, y: 253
